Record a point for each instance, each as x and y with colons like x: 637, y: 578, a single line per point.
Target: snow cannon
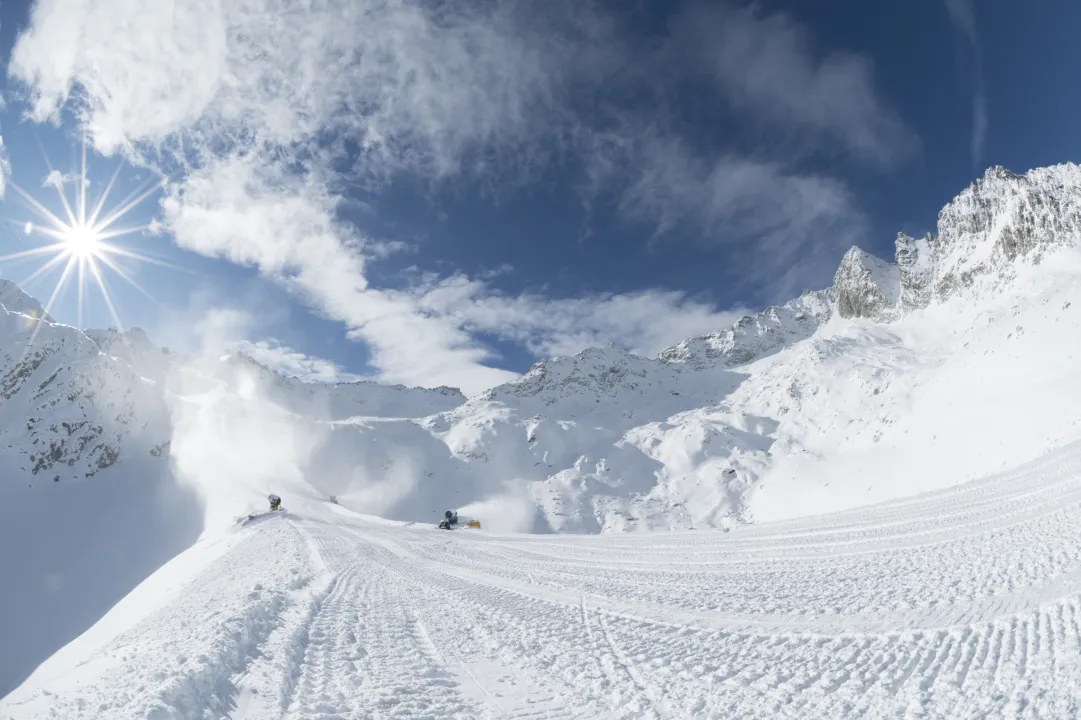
x: 446, y: 524
x: 451, y: 521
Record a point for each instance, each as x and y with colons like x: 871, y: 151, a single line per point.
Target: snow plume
x: 291, y: 363
x: 382, y: 493
x: 229, y: 442
x: 401, y: 469
x: 379, y: 467
x: 512, y: 511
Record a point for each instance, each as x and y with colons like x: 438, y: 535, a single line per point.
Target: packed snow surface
x: 960, y: 603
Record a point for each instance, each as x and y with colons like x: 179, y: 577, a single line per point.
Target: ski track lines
x: 961, y: 604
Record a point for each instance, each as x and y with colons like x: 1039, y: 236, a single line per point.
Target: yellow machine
x: 473, y: 524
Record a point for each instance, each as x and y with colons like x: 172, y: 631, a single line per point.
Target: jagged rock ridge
x: 998, y: 220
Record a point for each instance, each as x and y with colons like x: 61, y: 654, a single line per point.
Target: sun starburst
x: 83, y: 242
x: 83, y: 239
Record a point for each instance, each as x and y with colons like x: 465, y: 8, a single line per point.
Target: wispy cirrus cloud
x: 963, y: 17
x: 433, y: 88
x: 767, y: 66
x: 57, y: 179
x: 265, y: 111
x: 788, y: 215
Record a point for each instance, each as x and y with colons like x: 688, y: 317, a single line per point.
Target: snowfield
x: 960, y: 603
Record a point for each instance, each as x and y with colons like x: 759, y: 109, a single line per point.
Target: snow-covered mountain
x: 341, y: 400
x: 951, y: 362
x: 92, y: 497
x: 956, y: 352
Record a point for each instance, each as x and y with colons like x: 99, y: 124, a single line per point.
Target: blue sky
x: 436, y: 193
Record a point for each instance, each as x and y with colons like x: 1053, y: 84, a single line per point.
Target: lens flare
x: 81, y: 239
x: 83, y: 242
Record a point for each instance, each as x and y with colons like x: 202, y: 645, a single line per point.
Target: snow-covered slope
x: 339, y: 401
x: 953, y: 362
x: 92, y: 497
x: 15, y: 300
x: 85, y: 511
x: 960, y: 603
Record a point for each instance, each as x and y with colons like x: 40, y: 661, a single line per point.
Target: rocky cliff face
x: 1001, y: 218
x: 998, y: 221
x: 865, y: 286
x: 67, y: 410
x: 915, y: 268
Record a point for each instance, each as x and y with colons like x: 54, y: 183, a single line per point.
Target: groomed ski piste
x: 964, y: 603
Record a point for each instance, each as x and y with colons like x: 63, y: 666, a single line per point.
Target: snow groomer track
x: 964, y: 603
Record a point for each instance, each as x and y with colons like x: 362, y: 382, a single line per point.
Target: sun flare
x: 81, y: 240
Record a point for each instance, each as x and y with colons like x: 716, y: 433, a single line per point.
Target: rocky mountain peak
x: 865, y: 286
x: 13, y: 299
x: 755, y: 336
x: 1000, y: 219
x: 1003, y: 217
x: 593, y: 369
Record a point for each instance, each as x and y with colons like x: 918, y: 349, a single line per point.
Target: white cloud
x: 253, y: 213
x: 219, y: 327
x: 963, y: 16
x: 54, y: 179
x: 799, y: 223
x: 416, y: 86
x: 767, y: 66
x: 254, y: 106
x: 284, y: 226
x: 220, y: 330
x: 644, y: 322
x: 57, y: 179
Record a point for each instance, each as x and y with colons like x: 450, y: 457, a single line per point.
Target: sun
x: 82, y: 242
